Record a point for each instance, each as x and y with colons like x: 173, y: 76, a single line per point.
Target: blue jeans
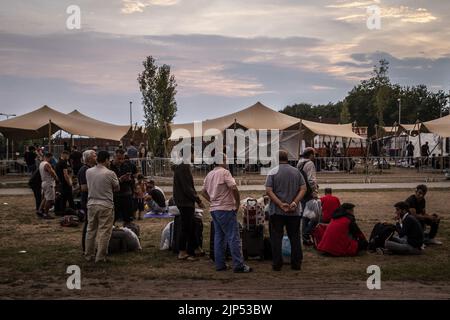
x: 226, y: 231
x: 308, y: 227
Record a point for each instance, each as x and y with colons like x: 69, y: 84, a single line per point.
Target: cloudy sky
x: 225, y: 54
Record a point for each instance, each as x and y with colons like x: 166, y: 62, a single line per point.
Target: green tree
x: 345, y: 113
x: 158, y: 88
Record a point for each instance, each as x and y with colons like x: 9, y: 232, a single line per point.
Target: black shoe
x: 276, y: 268
x: 46, y: 216
x: 225, y: 268
x: 296, y: 267
x: 244, y: 269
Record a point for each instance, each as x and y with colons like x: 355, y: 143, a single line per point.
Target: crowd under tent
x: 294, y: 133
x: 45, y: 121
x: 434, y: 132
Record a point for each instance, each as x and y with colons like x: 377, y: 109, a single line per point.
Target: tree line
x: 375, y: 101
x: 372, y: 102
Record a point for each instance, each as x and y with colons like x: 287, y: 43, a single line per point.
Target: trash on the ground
x: 22, y: 251
x: 5, y: 203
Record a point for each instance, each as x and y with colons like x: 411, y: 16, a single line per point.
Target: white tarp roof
x: 258, y: 117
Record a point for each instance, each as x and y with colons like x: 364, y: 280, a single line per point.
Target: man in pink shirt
x: 220, y: 190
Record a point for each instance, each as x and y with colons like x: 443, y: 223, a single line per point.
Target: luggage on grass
x: 380, y: 233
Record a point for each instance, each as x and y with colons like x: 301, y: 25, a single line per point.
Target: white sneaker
x: 434, y: 241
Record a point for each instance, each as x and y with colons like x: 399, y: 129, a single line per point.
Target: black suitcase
x: 253, y: 242
x: 175, y: 232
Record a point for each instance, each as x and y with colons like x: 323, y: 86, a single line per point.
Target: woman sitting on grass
x: 343, y: 236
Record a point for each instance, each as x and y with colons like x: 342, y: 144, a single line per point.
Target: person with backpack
x: 307, y: 168
x: 410, y: 233
x: 285, y: 187
x: 342, y: 237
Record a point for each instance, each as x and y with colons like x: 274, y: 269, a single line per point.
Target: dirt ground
x: 40, y: 271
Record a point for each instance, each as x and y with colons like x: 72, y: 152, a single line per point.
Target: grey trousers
x: 401, y: 246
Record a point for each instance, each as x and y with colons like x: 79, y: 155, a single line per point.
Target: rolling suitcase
x: 253, y: 231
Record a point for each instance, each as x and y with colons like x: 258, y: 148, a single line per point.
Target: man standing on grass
x: 123, y: 198
x: 49, y: 179
x: 307, y: 168
x: 220, y: 189
x: 285, y: 187
x: 101, y: 184
x: 65, y: 187
x: 185, y: 197
x: 75, y: 160
x: 410, y: 153
x: 90, y: 160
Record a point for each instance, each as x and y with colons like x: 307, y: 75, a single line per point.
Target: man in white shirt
x: 49, y: 179
x: 101, y: 183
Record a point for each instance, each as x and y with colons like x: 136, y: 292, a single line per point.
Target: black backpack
x: 380, y: 233
x: 309, y: 191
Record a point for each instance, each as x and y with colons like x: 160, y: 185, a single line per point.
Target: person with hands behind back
x: 285, y: 187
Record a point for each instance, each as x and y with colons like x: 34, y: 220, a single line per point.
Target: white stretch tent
x: 261, y: 117
x: 45, y: 121
x: 439, y: 126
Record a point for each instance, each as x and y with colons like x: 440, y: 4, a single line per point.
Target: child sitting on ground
x: 139, y: 196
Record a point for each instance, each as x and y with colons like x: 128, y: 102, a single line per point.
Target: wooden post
x: 49, y: 135
x: 300, y: 138
x: 420, y: 146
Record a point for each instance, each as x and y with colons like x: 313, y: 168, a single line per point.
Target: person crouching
x: 343, y: 236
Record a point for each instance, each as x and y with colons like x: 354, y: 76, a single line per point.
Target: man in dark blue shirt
x: 123, y: 199
x: 410, y: 233
x: 417, y: 206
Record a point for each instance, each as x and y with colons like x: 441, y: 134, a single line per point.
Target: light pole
x: 131, y: 115
x: 7, y: 115
x: 399, y: 111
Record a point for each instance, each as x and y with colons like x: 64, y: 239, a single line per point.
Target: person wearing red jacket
x: 330, y: 204
x: 342, y: 236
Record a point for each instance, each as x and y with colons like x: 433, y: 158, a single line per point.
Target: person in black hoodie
x: 185, y: 197
x: 410, y: 233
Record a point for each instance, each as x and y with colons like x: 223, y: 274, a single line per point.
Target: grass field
x: 40, y: 272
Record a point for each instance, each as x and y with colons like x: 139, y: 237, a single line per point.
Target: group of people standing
x: 113, y: 190
x: 291, y: 191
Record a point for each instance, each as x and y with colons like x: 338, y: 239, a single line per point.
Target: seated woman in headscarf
x: 343, y: 236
